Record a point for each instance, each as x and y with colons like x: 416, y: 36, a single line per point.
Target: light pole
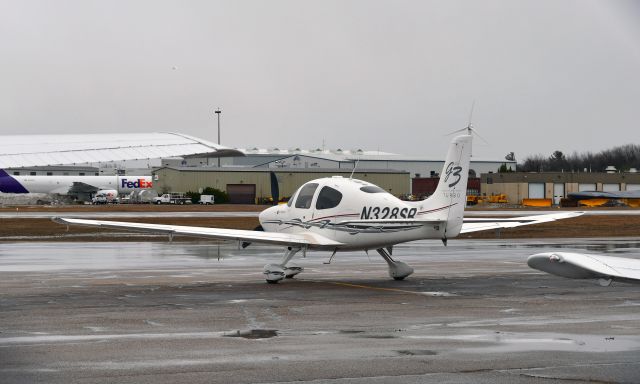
x: 218, y: 112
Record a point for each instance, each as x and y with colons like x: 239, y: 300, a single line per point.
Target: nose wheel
x: 277, y: 272
x: 397, y: 269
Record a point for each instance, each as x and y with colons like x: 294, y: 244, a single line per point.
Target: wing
x: 584, y: 266
x: 472, y: 224
x: 307, y: 239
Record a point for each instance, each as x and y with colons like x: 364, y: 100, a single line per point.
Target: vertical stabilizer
x: 448, y: 201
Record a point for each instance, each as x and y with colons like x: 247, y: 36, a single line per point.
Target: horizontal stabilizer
x: 472, y: 224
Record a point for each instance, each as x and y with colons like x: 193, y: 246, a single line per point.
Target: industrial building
x: 250, y: 185
x: 398, y: 174
x: 339, y: 159
x: 554, y: 185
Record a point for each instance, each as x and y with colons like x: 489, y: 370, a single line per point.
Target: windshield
x: 290, y: 202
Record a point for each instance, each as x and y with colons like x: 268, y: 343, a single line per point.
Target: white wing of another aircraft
x: 18, y: 151
x: 586, y: 266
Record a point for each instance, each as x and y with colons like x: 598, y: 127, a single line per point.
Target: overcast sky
x: 389, y: 75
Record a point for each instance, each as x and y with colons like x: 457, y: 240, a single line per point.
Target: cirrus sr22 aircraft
x: 338, y: 214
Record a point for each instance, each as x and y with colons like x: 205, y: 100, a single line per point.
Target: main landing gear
x: 277, y: 272
x: 397, y: 269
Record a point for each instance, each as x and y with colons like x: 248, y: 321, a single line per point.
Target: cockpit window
x: 372, y: 189
x: 306, y: 195
x: 328, y: 198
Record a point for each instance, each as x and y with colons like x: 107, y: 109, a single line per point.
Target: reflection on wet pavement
x: 161, y: 312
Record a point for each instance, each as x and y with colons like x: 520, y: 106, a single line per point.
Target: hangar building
x: 554, y: 185
x: 339, y: 159
x: 248, y: 185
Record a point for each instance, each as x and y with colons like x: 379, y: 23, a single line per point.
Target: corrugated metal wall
x: 184, y: 180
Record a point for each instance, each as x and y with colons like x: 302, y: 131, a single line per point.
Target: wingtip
x: 58, y: 220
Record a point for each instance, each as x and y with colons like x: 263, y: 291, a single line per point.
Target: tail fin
x: 450, y: 197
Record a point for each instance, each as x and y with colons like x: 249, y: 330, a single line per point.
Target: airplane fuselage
x: 357, y: 214
x: 62, y: 184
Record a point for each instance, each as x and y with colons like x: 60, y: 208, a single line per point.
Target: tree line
x: 623, y: 158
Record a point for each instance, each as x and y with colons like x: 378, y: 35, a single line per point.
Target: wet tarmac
x: 473, y: 312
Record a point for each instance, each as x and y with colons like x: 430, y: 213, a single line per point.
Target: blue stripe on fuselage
x: 10, y: 185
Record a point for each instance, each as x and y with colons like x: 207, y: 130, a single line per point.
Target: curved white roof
x: 45, y: 150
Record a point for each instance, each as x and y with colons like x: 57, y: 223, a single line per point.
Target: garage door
x: 241, y: 193
x: 536, y: 190
x: 610, y: 187
x: 633, y: 187
x: 586, y: 187
x: 558, y: 192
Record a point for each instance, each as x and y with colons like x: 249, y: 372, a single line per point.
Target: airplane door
x: 558, y: 193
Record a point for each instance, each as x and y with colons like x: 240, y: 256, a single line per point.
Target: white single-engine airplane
x: 338, y: 214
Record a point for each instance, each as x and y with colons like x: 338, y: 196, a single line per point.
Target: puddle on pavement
x: 417, y: 352
x: 253, y: 334
x: 378, y: 336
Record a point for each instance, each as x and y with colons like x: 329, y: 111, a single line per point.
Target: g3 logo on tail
x: 455, y: 171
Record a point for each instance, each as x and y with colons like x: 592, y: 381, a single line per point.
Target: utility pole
x: 218, y: 112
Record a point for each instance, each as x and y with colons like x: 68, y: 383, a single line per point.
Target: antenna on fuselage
x: 354, y: 168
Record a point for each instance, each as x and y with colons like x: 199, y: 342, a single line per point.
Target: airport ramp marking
x: 395, y: 290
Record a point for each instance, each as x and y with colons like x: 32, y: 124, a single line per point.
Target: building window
x: 49, y: 173
x: 32, y: 173
x: 65, y: 173
x: 16, y: 173
x: 81, y: 174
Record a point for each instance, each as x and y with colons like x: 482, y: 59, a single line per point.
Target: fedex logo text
x: 140, y: 183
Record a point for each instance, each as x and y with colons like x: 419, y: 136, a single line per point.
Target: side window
x: 372, y: 189
x: 306, y: 195
x: 328, y: 198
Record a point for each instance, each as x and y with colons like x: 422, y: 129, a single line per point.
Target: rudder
x: 448, y: 201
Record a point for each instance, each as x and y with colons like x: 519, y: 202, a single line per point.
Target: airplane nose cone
x: 267, y: 214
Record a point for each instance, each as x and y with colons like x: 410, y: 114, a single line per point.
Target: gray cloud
x: 393, y: 75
